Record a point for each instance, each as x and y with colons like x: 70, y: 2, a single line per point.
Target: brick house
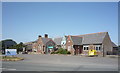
x: 58, y: 42
x: 30, y: 45
x: 44, y: 45
x: 80, y: 44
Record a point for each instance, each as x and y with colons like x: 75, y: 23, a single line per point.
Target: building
x: 58, y: 42
x: 74, y: 44
x: 115, y: 49
x: 81, y: 44
x: 30, y: 46
x: 63, y: 42
x: 44, y: 45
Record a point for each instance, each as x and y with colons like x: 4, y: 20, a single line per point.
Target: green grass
x: 10, y: 58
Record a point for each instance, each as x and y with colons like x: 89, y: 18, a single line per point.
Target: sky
x: 24, y: 21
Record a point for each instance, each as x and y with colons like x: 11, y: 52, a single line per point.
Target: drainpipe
x: 103, y: 51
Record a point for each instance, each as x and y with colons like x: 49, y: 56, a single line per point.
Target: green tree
x: 5, y: 44
x: 19, y: 47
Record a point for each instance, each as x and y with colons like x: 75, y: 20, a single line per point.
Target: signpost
x: 10, y: 52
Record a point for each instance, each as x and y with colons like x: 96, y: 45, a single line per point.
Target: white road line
x: 7, y: 69
x: 11, y: 69
x: 2, y: 68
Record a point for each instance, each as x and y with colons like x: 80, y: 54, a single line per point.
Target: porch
x: 78, y: 49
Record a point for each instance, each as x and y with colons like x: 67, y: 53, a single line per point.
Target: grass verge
x: 11, y: 58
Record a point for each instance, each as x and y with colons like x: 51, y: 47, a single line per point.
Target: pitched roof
x: 45, y: 40
x: 30, y: 42
x: 93, y: 38
x: 76, y: 40
x: 58, y: 40
x: 114, y: 45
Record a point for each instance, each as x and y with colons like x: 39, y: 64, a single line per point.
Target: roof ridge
x: 90, y: 33
x: 76, y: 36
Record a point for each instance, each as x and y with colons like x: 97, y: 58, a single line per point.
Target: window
x: 98, y: 48
x: 39, y: 46
x: 85, y: 48
x: 69, y: 48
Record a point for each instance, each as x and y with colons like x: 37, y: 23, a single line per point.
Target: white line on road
x: 11, y: 69
x: 7, y: 69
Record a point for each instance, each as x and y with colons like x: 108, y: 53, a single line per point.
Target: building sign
x: 50, y: 47
x: 10, y: 52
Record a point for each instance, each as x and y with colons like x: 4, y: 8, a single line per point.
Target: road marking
x: 7, y: 69
x: 11, y: 69
x: 2, y: 68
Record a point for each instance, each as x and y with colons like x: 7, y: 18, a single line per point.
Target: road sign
x: 10, y: 52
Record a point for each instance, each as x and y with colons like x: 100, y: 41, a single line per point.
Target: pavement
x: 35, y: 62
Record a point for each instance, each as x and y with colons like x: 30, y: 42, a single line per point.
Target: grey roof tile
x: 76, y: 40
x: 45, y: 40
x: 58, y: 40
x: 114, y: 45
x: 94, y: 38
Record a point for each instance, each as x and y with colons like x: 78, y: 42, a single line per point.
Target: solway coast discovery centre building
x: 75, y: 44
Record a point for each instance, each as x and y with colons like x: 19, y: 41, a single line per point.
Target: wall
x: 99, y: 52
x: 63, y: 42
x: 69, y: 45
x: 107, y: 45
x: 39, y: 45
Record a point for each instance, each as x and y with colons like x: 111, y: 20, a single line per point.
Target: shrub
x: 61, y: 51
x: 53, y: 52
x: 68, y: 52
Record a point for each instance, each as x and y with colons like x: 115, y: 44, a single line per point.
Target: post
x: 103, y: 50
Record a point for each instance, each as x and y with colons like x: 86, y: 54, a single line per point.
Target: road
x: 61, y: 63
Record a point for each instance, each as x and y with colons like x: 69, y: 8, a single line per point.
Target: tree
x: 5, y: 44
x: 19, y: 47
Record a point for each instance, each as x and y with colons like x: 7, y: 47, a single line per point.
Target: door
x: 80, y: 49
x: 50, y: 49
x: 76, y: 48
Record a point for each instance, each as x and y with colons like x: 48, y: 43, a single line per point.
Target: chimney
x: 46, y: 35
x: 39, y: 36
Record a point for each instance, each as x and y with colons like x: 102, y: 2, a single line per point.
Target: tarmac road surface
x: 61, y: 63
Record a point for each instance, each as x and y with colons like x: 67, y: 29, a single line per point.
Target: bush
x: 68, y: 52
x: 61, y: 51
x: 52, y: 52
